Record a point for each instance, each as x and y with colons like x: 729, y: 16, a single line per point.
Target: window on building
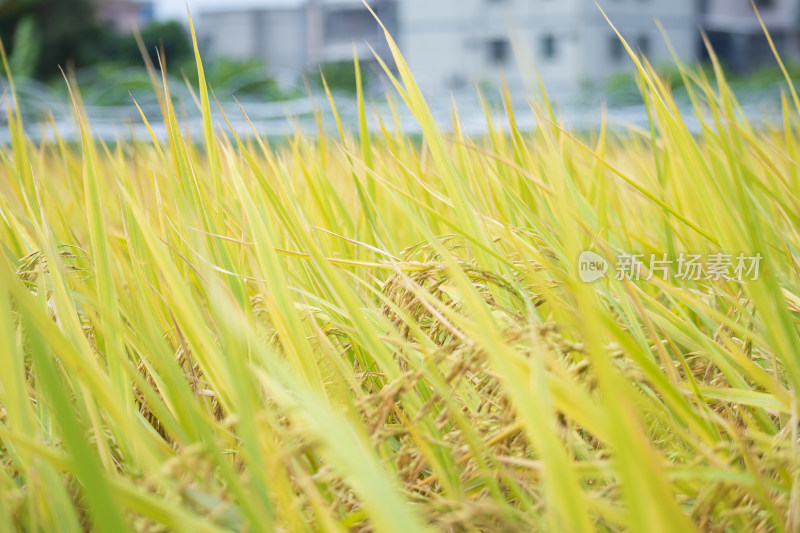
x: 643, y: 45
x: 499, y: 51
x: 349, y: 25
x: 616, y: 49
x: 549, y: 47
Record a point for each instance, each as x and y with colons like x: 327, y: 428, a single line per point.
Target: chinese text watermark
x: 686, y: 266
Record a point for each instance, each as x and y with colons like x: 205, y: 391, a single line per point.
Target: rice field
x: 377, y: 332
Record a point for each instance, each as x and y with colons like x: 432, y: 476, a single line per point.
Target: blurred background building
x: 736, y: 34
x: 448, y: 43
x: 451, y: 42
x: 124, y: 16
x: 294, y: 37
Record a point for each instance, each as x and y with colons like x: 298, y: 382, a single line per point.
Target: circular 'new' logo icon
x: 591, y: 266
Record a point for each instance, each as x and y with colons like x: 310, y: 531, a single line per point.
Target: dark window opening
x: 643, y: 45
x: 349, y: 25
x: 617, y: 50
x: 499, y: 51
x: 549, y: 49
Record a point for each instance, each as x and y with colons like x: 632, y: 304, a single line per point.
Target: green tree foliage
x: 171, y: 37
x: 27, y: 47
x: 341, y: 75
x: 42, y: 35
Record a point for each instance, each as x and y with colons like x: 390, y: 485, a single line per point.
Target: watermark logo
x: 591, y: 267
x: 686, y: 266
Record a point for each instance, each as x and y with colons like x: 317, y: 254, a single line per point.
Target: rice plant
x: 364, y: 332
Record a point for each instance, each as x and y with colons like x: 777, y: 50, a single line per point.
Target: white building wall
x: 451, y: 43
x: 565, y: 41
x: 739, y: 15
x: 231, y: 33
x: 738, y: 39
x: 282, y: 42
x: 554, y: 43
x: 277, y: 36
x: 636, y: 22
x: 436, y: 38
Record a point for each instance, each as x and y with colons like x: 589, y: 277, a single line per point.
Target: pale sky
x: 177, y: 8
